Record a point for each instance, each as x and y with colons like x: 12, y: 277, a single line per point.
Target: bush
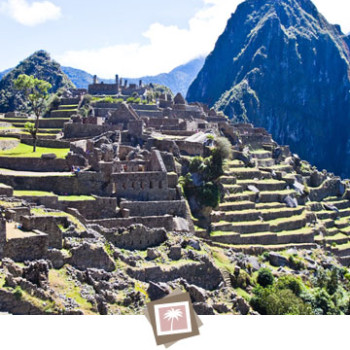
x: 290, y: 282
x: 209, y: 195
x: 196, y: 165
x: 18, y: 293
x: 274, y: 301
x: 265, y: 277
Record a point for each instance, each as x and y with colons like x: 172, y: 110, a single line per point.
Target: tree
x: 265, y: 277
x: 36, y: 92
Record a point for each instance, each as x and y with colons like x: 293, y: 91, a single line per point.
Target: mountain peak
x: 279, y: 64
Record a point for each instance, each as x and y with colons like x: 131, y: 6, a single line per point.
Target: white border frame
x: 173, y: 305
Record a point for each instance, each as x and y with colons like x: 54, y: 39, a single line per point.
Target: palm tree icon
x: 173, y: 314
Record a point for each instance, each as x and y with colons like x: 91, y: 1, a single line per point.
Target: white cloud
x: 30, y: 14
x: 170, y: 46
x: 167, y: 47
x: 336, y: 12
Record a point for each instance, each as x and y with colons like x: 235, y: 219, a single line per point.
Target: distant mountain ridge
x: 280, y: 65
x: 178, y: 80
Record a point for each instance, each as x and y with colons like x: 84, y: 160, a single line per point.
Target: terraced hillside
x: 279, y: 203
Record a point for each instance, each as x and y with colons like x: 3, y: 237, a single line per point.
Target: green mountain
x: 41, y: 66
x: 280, y: 65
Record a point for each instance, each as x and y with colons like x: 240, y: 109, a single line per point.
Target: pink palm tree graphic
x: 173, y: 314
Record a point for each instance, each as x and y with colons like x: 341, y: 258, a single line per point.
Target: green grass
x: 33, y: 194
x: 76, y: 198
x: 25, y: 151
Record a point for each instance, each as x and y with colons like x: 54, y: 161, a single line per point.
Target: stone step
x: 342, y: 223
x: 341, y: 250
x: 274, y: 196
x: 338, y: 239
x: 265, y: 163
x: 324, y: 214
x: 344, y: 260
x: 228, y: 180
x: 235, y: 164
x: 328, y: 223
x: 332, y: 231
x: 273, y: 214
x: 244, y: 205
x: 304, y: 235
x: 245, y: 173
x: 264, y: 238
x: 233, y: 188
x: 250, y: 227
x: 263, y: 185
x: 281, y: 167
x: 239, y: 197
x: 340, y: 203
x: 272, y: 205
x: 288, y: 224
x: 258, y: 248
x: 261, y: 154
x: 236, y: 216
x: 222, y: 226
x: 344, y: 213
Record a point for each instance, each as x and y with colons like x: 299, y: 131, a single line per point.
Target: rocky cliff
x: 42, y: 67
x: 282, y: 66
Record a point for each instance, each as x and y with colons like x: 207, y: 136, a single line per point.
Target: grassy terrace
x: 21, y: 194
x: 26, y: 151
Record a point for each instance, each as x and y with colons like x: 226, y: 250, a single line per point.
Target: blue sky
x: 132, y: 38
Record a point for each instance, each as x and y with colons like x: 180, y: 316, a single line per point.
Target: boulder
x: 91, y: 256
x: 242, y: 306
x: 58, y: 258
x: 158, y: 291
x: 152, y: 254
x: 175, y: 253
x: 37, y: 272
x: 277, y: 259
x: 291, y: 202
x: 198, y: 295
x: 203, y: 309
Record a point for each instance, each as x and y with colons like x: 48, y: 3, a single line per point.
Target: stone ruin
x: 123, y: 171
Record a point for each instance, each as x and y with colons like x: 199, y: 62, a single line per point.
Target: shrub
x: 209, y: 195
x: 18, y: 293
x: 265, y: 277
x: 274, y: 301
x: 290, y: 282
x: 196, y: 165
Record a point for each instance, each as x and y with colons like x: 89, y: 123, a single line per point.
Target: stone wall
x: 46, y: 143
x: 137, y: 237
x: 103, y: 89
x: 31, y: 247
x: 6, y: 191
x: 165, y: 221
x: 47, y: 224
x: 81, y: 184
x: 204, y: 274
x: 143, y: 186
x: 190, y: 148
x: 15, y: 214
x: 34, y: 164
x: 75, y: 130
x: 173, y: 208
